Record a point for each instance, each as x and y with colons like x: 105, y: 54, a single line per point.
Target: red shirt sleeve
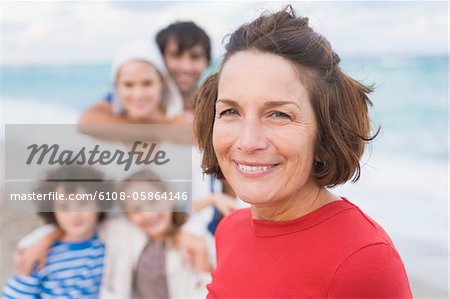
x: 375, y: 271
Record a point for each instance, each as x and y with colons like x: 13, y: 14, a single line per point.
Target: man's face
x: 185, y: 68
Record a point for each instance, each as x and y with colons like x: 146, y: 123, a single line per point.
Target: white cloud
x: 73, y: 32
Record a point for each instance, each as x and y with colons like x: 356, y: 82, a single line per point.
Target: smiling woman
x: 282, y: 123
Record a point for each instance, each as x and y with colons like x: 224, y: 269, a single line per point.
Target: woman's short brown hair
x: 340, y: 103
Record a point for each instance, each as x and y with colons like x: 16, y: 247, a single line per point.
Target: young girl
x: 157, y: 264
x: 74, y: 263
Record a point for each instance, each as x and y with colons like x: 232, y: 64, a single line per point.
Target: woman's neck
x: 307, y: 200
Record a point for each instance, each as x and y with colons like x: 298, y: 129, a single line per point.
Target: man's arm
x: 94, y: 122
x: 196, y: 251
x: 34, y: 251
x: 223, y: 202
x: 101, y: 114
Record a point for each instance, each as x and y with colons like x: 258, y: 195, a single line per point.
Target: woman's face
x: 139, y: 87
x: 265, y: 129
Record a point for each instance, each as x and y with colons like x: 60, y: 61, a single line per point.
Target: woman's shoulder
x: 343, y: 224
x: 362, y: 226
x: 367, y: 262
x: 384, y: 276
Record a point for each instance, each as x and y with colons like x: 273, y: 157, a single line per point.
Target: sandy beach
x: 13, y: 227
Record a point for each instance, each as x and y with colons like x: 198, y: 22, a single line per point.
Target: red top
x: 335, y: 251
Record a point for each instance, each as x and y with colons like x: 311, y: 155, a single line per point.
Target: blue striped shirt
x: 72, y: 270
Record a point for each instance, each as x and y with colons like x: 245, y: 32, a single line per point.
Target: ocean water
x: 404, y: 181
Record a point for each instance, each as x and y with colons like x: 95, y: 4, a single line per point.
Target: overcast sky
x: 91, y: 31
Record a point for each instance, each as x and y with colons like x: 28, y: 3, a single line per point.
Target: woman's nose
x: 138, y: 92
x: 251, y: 136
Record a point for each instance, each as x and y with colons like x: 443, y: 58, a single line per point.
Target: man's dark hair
x: 186, y: 35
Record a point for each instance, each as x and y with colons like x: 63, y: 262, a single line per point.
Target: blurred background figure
x: 74, y: 256
x: 147, y: 253
x: 186, y: 52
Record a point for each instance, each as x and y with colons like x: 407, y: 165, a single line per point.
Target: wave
x: 29, y: 111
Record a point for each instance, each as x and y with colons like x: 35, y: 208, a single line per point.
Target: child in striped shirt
x: 74, y: 264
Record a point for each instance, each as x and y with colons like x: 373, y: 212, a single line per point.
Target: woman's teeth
x: 252, y: 169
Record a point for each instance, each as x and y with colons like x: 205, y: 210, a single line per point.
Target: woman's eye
x: 279, y: 114
x: 147, y: 83
x: 230, y: 111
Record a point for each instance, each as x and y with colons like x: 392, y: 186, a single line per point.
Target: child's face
x: 155, y: 224
x: 78, y: 220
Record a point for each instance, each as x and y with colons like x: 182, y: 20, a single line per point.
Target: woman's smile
x: 255, y: 169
